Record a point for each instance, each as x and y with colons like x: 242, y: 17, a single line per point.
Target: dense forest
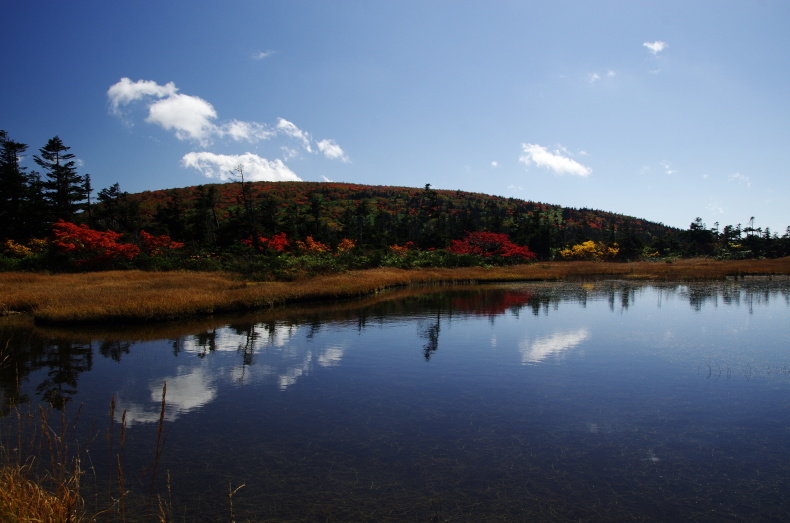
x: 52, y: 219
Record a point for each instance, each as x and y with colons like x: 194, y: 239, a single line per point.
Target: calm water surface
x: 601, y: 400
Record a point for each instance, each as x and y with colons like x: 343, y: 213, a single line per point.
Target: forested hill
x: 375, y: 216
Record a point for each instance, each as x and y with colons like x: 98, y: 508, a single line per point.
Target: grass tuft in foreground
x: 23, y: 498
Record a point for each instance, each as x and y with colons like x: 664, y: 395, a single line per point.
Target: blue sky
x: 663, y: 110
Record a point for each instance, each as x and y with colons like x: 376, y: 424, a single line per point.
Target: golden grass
x: 23, y: 498
x: 134, y: 296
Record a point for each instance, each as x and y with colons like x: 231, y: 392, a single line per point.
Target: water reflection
x: 265, y: 346
x: 589, y: 400
x: 554, y: 345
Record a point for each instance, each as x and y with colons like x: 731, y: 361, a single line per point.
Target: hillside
x: 376, y: 216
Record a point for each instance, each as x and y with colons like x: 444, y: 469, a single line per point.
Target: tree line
x: 378, y: 224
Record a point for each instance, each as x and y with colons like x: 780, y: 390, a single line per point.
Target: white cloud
x: 125, y: 91
x: 324, y: 178
x: 246, y: 131
x: 715, y: 207
x: 738, y: 177
x: 331, y: 150
x: 289, y: 153
x: 290, y: 129
x: 555, y: 161
x: 260, y: 55
x: 189, y: 116
x: 667, y: 166
x: 655, y: 47
x: 193, y: 118
x: 221, y: 166
x: 595, y: 77
x: 495, y: 164
x: 553, y: 345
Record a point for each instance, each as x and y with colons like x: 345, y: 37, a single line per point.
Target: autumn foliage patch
x: 278, y: 243
x: 491, y: 244
x: 90, y: 247
x: 156, y: 245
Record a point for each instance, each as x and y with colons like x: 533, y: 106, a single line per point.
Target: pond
x: 592, y: 400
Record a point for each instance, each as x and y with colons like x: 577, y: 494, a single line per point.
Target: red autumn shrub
x: 278, y: 243
x: 89, y: 247
x: 311, y: 246
x: 490, y: 244
x: 155, y: 245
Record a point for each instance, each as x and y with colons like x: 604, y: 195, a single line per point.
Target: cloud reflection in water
x: 554, y: 345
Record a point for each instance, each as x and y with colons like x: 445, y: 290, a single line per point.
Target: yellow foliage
x: 21, y: 251
x: 591, y: 250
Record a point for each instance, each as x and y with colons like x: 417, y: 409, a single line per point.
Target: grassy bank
x: 134, y: 296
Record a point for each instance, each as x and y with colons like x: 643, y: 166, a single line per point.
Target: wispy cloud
x: 260, y: 55
x: 246, y: 131
x: 715, y: 207
x: 223, y: 167
x: 655, y: 47
x: 596, y: 76
x: 667, y: 166
x: 556, y: 160
x: 740, y: 178
x: 290, y: 129
x: 553, y: 345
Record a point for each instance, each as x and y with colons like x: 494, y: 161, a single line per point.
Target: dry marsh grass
x: 23, y: 498
x: 135, y: 296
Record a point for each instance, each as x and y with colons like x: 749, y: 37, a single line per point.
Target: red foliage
x: 278, y: 243
x: 493, y: 305
x: 490, y: 244
x: 408, y: 246
x: 91, y: 247
x: 154, y: 245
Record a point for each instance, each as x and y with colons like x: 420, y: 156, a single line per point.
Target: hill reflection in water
x: 591, y: 400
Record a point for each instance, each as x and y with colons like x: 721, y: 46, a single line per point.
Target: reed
x: 40, y: 469
x: 137, y: 296
x: 24, y: 499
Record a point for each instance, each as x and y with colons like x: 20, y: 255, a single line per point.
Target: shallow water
x: 597, y: 400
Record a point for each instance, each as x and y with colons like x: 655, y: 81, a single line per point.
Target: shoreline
x: 137, y: 296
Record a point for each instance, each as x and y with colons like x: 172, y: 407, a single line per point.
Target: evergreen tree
x: 14, y: 185
x: 64, y: 189
x: 116, y: 211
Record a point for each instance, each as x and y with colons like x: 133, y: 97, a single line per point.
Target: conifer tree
x: 64, y: 189
x: 14, y: 184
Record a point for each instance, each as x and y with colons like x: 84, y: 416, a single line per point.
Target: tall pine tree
x: 64, y: 189
x: 14, y: 184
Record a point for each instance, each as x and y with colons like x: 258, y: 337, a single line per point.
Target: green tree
x: 14, y: 185
x: 64, y: 189
x: 116, y: 211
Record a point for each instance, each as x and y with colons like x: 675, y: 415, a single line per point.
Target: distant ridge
x: 384, y: 215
